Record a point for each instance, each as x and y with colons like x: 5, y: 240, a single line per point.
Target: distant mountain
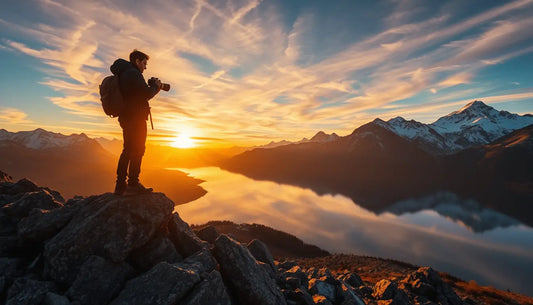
x: 318, y: 137
x: 41, y: 139
x: 474, y: 124
x: 360, y: 165
x: 78, y: 165
x: 376, y: 168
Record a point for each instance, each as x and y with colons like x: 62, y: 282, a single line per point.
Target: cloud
x: 255, y: 58
x: 13, y: 116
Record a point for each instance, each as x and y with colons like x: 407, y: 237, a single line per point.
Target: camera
x: 164, y: 87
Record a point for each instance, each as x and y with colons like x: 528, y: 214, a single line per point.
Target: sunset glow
x: 183, y: 141
x: 251, y: 71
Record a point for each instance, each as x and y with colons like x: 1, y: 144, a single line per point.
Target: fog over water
x: 443, y: 231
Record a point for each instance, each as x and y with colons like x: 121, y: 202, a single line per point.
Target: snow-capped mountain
x: 420, y: 133
x: 474, y: 124
x: 41, y: 139
x: 478, y: 123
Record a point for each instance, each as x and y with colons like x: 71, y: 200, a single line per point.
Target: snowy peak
x: 41, y: 139
x: 478, y: 123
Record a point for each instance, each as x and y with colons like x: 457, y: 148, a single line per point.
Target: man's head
x: 139, y: 59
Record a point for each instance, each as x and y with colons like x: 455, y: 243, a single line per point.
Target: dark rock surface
x: 109, y: 249
x: 248, y: 280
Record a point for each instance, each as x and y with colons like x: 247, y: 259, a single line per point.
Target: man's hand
x: 154, y: 81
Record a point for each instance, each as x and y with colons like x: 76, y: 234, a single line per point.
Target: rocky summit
x: 109, y: 249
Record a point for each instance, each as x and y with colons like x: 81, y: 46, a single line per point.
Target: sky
x: 250, y: 72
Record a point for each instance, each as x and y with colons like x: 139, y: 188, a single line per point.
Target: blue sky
x: 248, y: 72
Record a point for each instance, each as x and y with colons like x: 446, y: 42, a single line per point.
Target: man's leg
x: 124, y: 160
x: 137, y: 153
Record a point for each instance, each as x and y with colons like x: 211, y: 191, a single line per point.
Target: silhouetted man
x: 136, y: 93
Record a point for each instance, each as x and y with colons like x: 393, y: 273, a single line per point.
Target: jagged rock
x: 323, y: 288
x: 286, y: 265
x: 41, y: 225
x: 297, y: 272
x: 348, y: 295
x: 201, y: 262
x: 5, y: 177
x: 108, y: 226
x: 388, y: 290
x: 352, y: 279
x: 184, y: 239
x: 300, y: 297
x: 427, y: 282
x: 22, y: 186
x: 7, y: 225
x: 261, y: 253
x: 209, y: 234
x: 55, y: 299
x: 158, y: 249
x: 210, y: 291
x: 99, y: 281
x: 41, y: 199
x: 250, y: 282
x: 321, y: 300
x: 163, y: 284
x: 27, y: 291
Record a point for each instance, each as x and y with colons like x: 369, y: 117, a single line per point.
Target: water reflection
x: 501, y: 257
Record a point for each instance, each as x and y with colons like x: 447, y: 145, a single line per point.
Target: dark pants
x: 134, y: 134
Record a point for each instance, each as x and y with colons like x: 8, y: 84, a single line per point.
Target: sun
x: 183, y: 141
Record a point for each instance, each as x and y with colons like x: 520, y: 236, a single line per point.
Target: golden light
x: 183, y: 141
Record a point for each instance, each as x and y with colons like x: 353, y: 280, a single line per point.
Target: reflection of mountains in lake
x: 468, y: 212
x: 380, y: 170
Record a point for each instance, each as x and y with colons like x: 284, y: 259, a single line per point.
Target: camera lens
x: 165, y: 87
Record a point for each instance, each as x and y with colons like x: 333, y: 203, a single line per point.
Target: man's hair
x: 136, y: 54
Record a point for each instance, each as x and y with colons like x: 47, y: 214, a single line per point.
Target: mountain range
x: 382, y: 163
x: 474, y: 124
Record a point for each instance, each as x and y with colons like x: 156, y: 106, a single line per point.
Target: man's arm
x: 142, y: 89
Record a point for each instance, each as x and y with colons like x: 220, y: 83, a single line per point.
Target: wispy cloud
x: 13, y: 116
x: 256, y: 76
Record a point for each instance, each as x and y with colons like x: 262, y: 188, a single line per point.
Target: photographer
x: 136, y: 94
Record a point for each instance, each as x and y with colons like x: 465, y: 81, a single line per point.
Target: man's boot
x: 137, y: 189
x: 120, y: 187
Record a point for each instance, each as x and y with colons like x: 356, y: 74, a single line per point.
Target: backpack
x: 111, y: 97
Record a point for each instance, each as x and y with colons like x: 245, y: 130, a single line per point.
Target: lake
x: 448, y: 233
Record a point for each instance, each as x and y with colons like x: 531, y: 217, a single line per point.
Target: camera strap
x: 151, y: 122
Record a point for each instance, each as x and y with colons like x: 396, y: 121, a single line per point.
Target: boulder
x: 158, y: 249
x: 300, y: 297
x: 41, y: 225
x: 41, y: 199
x: 286, y: 265
x: 209, y: 234
x: 321, y: 300
x: 108, y: 226
x: 351, y: 279
x: 261, y: 253
x: 427, y: 283
x: 184, y: 239
x: 297, y: 272
x: 250, y: 283
x: 163, y: 284
x: 10, y: 267
x: 26, y: 291
x: 388, y: 290
x: 201, y: 262
x: 323, y: 288
x: 55, y: 299
x: 99, y: 281
x: 210, y: 291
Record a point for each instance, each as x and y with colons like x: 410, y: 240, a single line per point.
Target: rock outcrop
x: 109, y: 249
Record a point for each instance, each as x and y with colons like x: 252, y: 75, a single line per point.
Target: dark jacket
x: 134, y: 89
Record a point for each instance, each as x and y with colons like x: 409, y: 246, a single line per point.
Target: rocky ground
x: 108, y: 249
